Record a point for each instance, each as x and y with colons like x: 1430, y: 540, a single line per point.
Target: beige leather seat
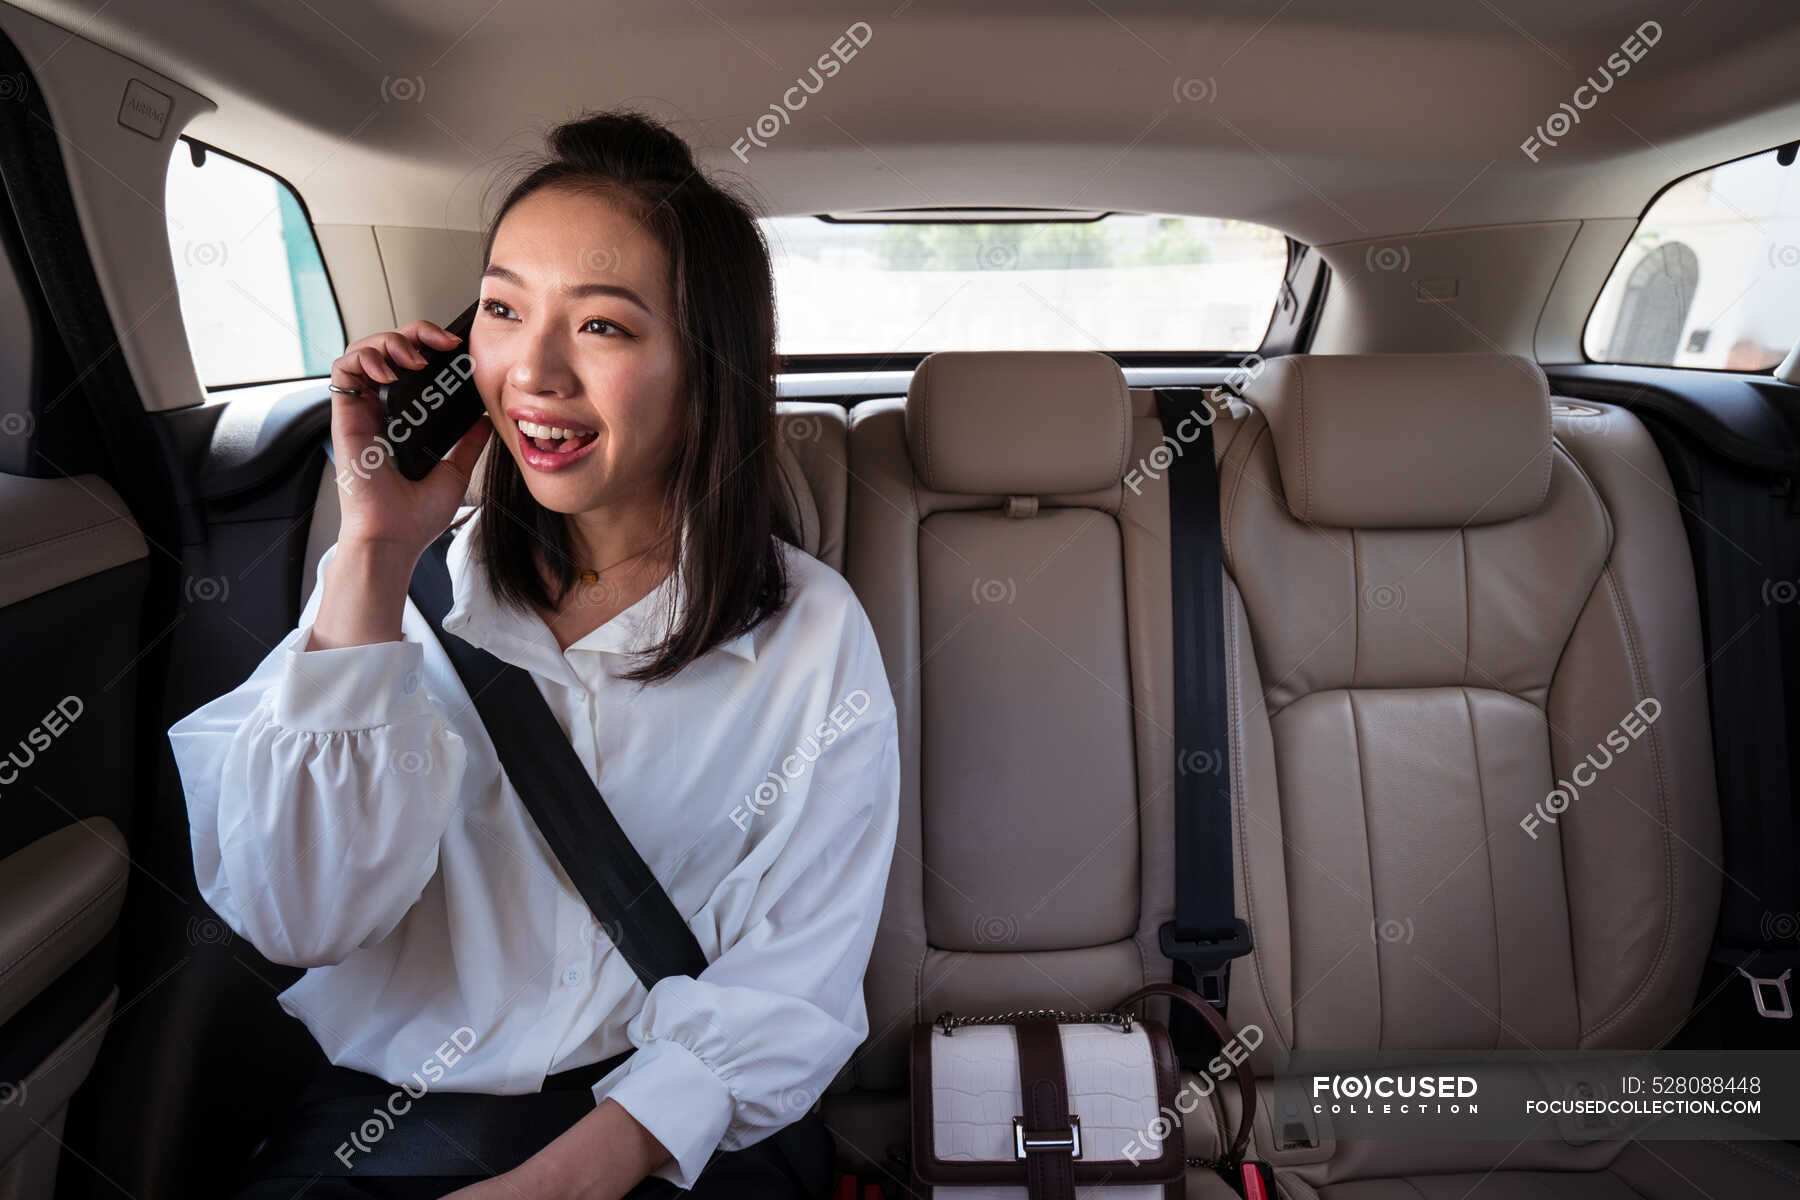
x: 989, y: 545
x: 1436, y: 608
x: 1440, y: 601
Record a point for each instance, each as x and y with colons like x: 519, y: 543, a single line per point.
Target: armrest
x: 58, y: 897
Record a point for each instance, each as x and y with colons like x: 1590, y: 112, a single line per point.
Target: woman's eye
x: 492, y: 308
x: 588, y: 325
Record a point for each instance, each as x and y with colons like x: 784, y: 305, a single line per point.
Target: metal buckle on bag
x: 1069, y: 1139
x: 1762, y: 989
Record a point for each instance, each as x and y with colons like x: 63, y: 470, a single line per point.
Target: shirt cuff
x: 671, y: 1093
x: 350, y: 687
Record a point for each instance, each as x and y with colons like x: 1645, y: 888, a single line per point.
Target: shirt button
x: 411, y: 683
x: 571, y: 975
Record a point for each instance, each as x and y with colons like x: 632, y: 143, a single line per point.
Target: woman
x: 724, y: 688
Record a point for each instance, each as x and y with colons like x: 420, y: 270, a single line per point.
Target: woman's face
x: 575, y: 330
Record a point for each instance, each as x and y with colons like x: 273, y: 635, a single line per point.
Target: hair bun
x: 625, y: 145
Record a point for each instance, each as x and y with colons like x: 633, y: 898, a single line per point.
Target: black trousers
x: 800, y: 1168
x: 755, y: 1173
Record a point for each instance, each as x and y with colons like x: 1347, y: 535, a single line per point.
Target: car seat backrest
x: 1473, y: 773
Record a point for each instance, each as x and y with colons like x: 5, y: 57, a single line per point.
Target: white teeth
x: 533, y: 429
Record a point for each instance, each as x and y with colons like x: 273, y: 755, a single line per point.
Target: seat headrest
x: 1018, y: 422
x: 1397, y: 441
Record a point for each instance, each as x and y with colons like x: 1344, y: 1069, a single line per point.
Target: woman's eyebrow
x: 578, y: 291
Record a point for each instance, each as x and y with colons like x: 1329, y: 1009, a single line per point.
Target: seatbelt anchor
x: 1762, y: 989
x: 1209, y: 958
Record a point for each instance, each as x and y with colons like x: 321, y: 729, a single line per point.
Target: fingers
x: 374, y: 365
x: 432, y: 335
x: 370, y: 361
x: 346, y: 372
x: 401, y: 350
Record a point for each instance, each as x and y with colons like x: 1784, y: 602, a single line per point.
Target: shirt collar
x: 480, y: 619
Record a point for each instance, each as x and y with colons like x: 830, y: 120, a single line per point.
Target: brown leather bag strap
x: 1246, y: 1075
x: 1043, y: 1085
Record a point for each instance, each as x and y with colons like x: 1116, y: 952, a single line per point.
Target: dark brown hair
x: 721, y: 491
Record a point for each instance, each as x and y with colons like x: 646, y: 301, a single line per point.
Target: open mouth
x: 552, y: 439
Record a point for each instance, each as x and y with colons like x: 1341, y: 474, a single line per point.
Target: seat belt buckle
x: 1255, y: 1181
x: 1765, y: 990
x: 1209, y: 958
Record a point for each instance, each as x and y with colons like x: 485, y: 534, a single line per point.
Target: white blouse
x: 348, y: 814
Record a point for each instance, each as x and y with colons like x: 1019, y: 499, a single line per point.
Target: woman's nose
x: 541, y: 363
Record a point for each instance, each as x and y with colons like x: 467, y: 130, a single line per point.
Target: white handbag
x: 1031, y: 1105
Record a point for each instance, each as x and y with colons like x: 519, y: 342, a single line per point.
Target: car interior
x: 1493, y: 309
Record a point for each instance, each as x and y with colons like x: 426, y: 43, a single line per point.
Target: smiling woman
x: 348, y: 808
x: 624, y: 295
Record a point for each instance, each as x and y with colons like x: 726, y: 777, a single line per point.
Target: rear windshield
x: 1711, y: 277
x: 1116, y: 282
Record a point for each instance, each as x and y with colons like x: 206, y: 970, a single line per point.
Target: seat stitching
x: 1305, y: 460
x: 1143, y: 930
x: 925, y: 424
x: 1124, y: 434
x: 1493, y: 891
x: 1240, y: 470
x: 919, y: 979
x: 1362, y: 796
x: 1549, y: 436
x: 1356, y: 603
x: 1462, y: 535
x: 912, y: 489
x: 1627, y: 630
x: 1235, y: 694
x: 46, y: 543
x: 51, y: 936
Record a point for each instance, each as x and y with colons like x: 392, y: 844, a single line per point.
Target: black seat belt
x: 562, y: 798
x: 1206, y: 933
x: 556, y: 789
x: 467, y: 1133
x: 1749, y: 575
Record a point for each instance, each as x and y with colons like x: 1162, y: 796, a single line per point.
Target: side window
x: 255, y: 298
x: 1711, y: 277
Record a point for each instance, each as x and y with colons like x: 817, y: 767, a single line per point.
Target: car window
x: 1114, y: 282
x: 1711, y: 278
x: 254, y: 294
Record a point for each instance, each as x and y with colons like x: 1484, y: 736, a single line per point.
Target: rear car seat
x: 1435, y: 608
x: 990, y: 546
x: 1439, y: 601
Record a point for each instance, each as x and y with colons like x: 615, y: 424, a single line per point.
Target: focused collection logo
x: 1403, y: 1095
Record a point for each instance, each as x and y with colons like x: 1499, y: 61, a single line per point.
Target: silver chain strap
x: 948, y: 1021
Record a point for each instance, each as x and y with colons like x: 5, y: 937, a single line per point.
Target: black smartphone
x: 427, y: 409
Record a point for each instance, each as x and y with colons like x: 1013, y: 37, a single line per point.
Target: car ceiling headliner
x: 1333, y: 121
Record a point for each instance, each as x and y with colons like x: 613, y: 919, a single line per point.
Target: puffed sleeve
x: 317, y: 792
x: 729, y: 1058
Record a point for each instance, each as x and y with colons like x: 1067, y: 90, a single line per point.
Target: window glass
x: 254, y: 295
x: 1711, y: 278
x: 1117, y: 282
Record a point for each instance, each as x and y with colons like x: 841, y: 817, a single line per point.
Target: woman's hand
x: 600, y: 1157
x: 381, y: 506
x: 500, y: 1187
